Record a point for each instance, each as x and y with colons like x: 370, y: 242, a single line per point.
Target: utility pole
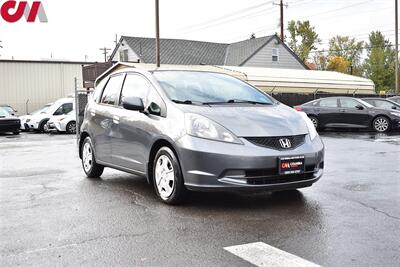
x: 397, y: 47
x: 282, y: 24
x: 105, y: 52
x: 157, y: 34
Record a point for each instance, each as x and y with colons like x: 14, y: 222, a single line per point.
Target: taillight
x: 298, y: 108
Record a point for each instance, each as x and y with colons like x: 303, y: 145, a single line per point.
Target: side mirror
x: 359, y: 107
x: 133, y: 103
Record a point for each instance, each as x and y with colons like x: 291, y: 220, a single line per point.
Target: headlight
x: 311, y: 128
x: 199, y: 126
x: 397, y: 114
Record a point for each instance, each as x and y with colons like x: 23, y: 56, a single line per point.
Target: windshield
x: 365, y: 103
x: 206, y: 87
x: 8, y: 109
x: 3, y: 113
x: 42, y: 110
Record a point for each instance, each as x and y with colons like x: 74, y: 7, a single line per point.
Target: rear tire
x: 16, y: 133
x: 89, y: 164
x: 71, y: 127
x: 167, y: 177
x: 315, y: 121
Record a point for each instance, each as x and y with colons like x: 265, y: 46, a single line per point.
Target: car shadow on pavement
x: 137, y: 186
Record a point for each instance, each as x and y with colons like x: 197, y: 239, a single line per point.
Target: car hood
x: 253, y: 121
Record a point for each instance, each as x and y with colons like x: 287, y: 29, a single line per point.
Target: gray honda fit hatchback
x: 197, y: 130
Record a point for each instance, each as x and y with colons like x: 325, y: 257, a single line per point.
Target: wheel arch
x: 152, y: 154
x: 82, y: 138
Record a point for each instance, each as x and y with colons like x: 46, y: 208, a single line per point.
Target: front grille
x: 281, y: 179
x: 273, y: 142
x: 9, y: 122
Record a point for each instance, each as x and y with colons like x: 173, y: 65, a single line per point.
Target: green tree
x: 348, y: 49
x: 380, y: 63
x: 302, y: 38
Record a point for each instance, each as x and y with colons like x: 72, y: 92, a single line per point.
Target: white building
x: 28, y: 85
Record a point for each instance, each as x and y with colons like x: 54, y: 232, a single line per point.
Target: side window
x: 111, y: 92
x: 349, y: 103
x: 64, y: 109
x: 135, y: 86
x: 275, y: 54
x: 328, y: 103
x: 383, y: 104
x: 99, y: 88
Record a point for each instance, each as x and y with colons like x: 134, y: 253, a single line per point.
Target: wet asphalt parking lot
x: 51, y: 215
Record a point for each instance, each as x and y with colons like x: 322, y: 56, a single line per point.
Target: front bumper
x: 216, y: 166
x: 55, y: 126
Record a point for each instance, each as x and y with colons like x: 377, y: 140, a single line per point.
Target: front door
x: 130, y: 146
x: 103, y: 118
x: 354, y: 114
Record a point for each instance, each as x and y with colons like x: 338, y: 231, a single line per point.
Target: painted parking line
x: 261, y: 254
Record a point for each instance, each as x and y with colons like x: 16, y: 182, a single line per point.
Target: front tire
x: 167, y: 177
x: 381, y: 124
x: 89, y: 164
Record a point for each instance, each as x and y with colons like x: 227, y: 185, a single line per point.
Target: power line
x: 209, y: 23
x: 334, y: 10
x: 351, y: 49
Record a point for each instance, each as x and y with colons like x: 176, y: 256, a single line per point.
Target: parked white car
x: 38, y: 121
x: 63, y: 123
x: 25, y: 119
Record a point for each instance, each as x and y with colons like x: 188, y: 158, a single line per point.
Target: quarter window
x: 111, y: 92
x: 328, y: 102
x: 135, y: 86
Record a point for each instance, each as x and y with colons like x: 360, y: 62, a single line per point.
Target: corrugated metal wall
x: 37, y: 83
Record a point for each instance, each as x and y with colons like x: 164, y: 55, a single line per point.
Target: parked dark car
x: 8, y: 122
x: 395, y: 99
x: 382, y: 103
x: 9, y: 109
x: 349, y: 112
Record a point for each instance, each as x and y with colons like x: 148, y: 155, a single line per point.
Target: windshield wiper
x: 187, y: 102
x: 231, y: 101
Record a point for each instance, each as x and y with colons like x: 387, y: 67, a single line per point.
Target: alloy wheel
x: 381, y: 124
x: 165, y: 177
x: 87, y: 157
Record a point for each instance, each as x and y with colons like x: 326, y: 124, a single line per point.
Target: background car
x: 9, y: 109
x: 8, y: 122
x: 395, y: 99
x: 25, y: 119
x: 349, y: 112
x: 63, y: 123
x: 38, y: 121
x: 382, y: 103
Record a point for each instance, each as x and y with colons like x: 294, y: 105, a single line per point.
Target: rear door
x: 328, y: 112
x: 352, y: 116
x: 103, y: 117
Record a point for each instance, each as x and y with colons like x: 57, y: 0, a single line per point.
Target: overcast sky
x: 78, y: 28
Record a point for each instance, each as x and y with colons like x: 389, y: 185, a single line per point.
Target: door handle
x: 116, y: 119
x: 92, y: 113
x: 342, y: 110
